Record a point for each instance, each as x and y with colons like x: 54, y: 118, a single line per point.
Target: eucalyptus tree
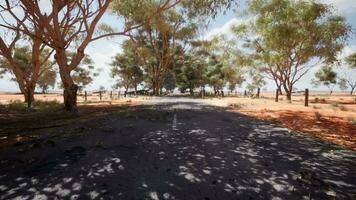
x: 70, y: 26
x: 14, y: 45
x: 24, y: 70
x: 351, y: 60
x: 289, y: 37
x: 191, y: 74
x: 126, y: 69
x: 157, y: 40
x: 47, y: 79
x: 326, y: 76
x: 348, y: 79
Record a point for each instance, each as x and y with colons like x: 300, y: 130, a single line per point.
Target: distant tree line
x: 280, y: 40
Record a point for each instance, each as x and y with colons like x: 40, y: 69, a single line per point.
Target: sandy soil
x: 8, y: 97
x: 333, y: 120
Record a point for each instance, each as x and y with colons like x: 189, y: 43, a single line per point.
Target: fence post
x: 100, y: 95
x: 245, y: 93
x: 111, y: 95
x: 277, y: 95
x: 306, y: 97
x: 85, y: 95
x: 118, y: 94
x: 258, y: 92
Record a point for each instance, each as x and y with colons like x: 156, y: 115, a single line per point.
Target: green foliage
x: 126, y: 67
x: 37, y: 106
x: 191, y: 74
x: 351, y: 60
x: 290, y: 37
x: 327, y: 77
x: 17, y: 105
x: 47, y: 79
x: 84, y: 74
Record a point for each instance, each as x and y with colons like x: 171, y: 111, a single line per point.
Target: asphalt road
x: 178, y: 149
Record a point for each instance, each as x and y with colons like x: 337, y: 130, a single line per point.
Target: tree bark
x: 70, y: 88
x: 70, y: 93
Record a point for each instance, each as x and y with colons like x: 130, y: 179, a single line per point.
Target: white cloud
x: 348, y: 6
x: 224, y: 29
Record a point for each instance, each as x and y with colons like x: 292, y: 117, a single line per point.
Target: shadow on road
x: 180, y: 150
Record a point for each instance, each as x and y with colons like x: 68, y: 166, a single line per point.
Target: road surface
x: 178, y: 149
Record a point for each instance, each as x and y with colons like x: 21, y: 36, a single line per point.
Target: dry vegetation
x: 331, y: 118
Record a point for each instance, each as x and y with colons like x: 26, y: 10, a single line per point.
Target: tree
x: 127, y: 68
x: 47, y: 79
x: 170, y: 82
x: 351, y: 60
x: 72, y: 26
x: 327, y: 77
x: 191, y: 74
x: 84, y: 74
x: 257, y: 80
x: 233, y: 77
x: 26, y: 67
x: 291, y: 37
x: 349, y: 79
x: 12, y: 48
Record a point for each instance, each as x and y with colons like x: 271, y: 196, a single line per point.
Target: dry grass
x: 332, y: 119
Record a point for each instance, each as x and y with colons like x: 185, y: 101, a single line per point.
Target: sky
x: 102, y: 51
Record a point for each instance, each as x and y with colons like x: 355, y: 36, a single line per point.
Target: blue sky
x: 103, y: 50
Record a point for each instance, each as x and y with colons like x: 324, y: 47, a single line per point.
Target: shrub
x: 318, y: 116
x: 353, y: 121
x: 316, y: 107
x: 47, y: 105
x: 16, y: 105
x: 335, y: 105
x: 343, y: 108
x: 236, y: 105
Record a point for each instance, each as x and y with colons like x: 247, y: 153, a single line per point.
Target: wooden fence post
x: 277, y: 95
x: 100, y: 95
x: 85, y: 96
x: 245, y: 93
x: 306, y: 98
x: 258, y: 92
x: 111, y: 95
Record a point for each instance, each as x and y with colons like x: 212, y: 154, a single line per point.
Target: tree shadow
x: 170, y: 151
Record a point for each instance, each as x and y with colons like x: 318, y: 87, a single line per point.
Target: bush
x: 236, y: 105
x: 47, y: 105
x: 16, y: 105
x: 343, y: 108
x: 318, y: 116
x: 335, y: 105
x: 353, y: 121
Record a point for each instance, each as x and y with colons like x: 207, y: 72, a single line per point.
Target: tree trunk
x: 70, y: 91
x: 352, y: 91
x: 70, y: 97
x: 289, y: 95
x: 288, y: 89
x: 29, y: 96
x: 191, y: 91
